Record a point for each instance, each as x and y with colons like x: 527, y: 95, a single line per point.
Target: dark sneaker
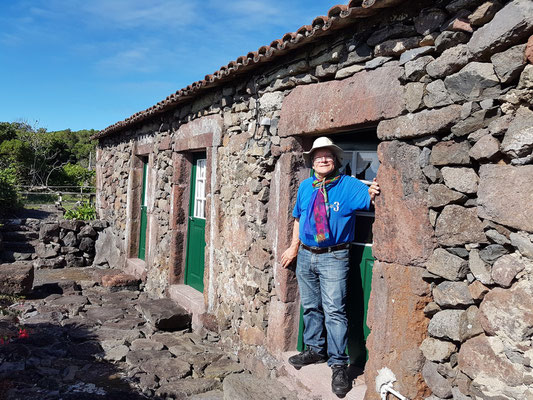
x: 307, y: 357
x: 340, y: 383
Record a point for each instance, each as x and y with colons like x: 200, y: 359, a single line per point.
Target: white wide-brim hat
x: 322, y: 143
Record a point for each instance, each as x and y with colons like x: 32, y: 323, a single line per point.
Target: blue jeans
x: 322, y: 279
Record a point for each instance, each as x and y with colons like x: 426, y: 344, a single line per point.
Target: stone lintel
x: 200, y: 133
x: 366, y: 97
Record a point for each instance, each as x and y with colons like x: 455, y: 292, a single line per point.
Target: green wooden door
x: 194, y: 270
x: 142, y: 230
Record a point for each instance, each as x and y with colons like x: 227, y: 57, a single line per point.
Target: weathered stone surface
x: 348, y: 71
x: 478, y: 290
x: 436, y: 95
x: 390, y: 32
x: 452, y: 294
x: 457, y: 225
x: 332, y: 105
x: 518, y: 141
x: 189, y: 389
x: 165, y: 314
x: 523, y: 243
x: 223, y: 367
x: 87, y: 231
x: 49, y: 250
x: 16, y: 278
x: 510, y: 25
x: 501, y: 185
x: 450, y: 61
x: 437, y: 350
x: 423, y: 123
x: 450, y: 153
x: 484, y: 13
x: 483, y: 359
x: 107, y: 250
x: 447, y: 265
x: 475, y: 122
x: 449, y: 39
x: 70, y: 239
x: 485, y: 148
x: 416, y: 69
x: 446, y: 325
x: 440, y: 195
x: 165, y: 368
x: 479, y: 268
x: 245, y: 387
x: 509, y: 64
x: 438, y: 384
x: 508, y: 312
x: 506, y: 268
x: 397, y: 327
x: 492, y: 252
x: 464, y: 180
x: 49, y: 231
x: 414, y: 92
x: 398, y: 238
x: 429, y: 20
x: 469, y: 325
x: 432, y: 173
x: 71, y: 224
x: 415, y: 53
x: 476, y: 80
x: 525, y: 82
x: 359, y: 54
x: 376, y: 62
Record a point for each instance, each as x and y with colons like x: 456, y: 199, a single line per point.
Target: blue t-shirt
x: 347, y: 196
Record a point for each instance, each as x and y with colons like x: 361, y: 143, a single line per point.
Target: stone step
x: 245, y: 387
x: 20, y: 236
x: 12, y: 256
x: 165, y: 315
x: 16, y: 278
x: 21, y: 247
x: 314, y: 381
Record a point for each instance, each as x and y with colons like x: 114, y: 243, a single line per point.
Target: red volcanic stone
x: 365, y: 97
x: 529, y: 50
x: 119, y: 281
x: 402, y: 231
x: 398, y: 327
x: 283, y: 320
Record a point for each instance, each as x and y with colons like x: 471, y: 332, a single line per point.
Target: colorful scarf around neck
x: 319, y: 208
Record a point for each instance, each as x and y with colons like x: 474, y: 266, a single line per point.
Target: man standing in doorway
x: 324, y: 227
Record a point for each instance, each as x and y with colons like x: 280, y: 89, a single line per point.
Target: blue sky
x: 86, y: 64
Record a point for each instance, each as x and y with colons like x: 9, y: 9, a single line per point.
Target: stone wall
x: 449, y: 87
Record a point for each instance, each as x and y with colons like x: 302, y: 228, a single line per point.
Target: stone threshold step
x: 316, y: 380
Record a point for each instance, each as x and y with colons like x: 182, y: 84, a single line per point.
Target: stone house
x: 198, y: 189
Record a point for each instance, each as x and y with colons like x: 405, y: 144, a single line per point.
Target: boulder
x: 390, y: 32
x: 423, y: 123
x: 165, y: 315
x: 523, y: 243
x: 414, y: 92
x: 518, y: 141
x: 449, y: 39
x: 486, y: 148
x: 189, y: 389
x: 437, y: 350
x: 450, y: 61
x: 452, y: 294
x: 479, y: 268
x: 502, y: 185
x: 458, y: 225
x: 415, y: 53
x: 107, y: 250
x: 16, y: 278
x: 49, y: 250
x: 438, y: 384
x: 429, y: 20
x: 48, y: 232
x: 440, y: 195
x: 509, y: 64
x: 508, y: 312
x: 506, y: 268
x: 450, y: 153
x: 475, y: 81
x: 120, y: 282
x: 436, y: 95
x: 416, y: 69
x: 87, y: 231
x: 70, y: 239
x: 478, y: 290
x: 464, y: 180
x: 510, y: 26
x: 73, y: 225
x: 447, y: 265
x: 492, y: 252
x: 484, y: 13
x: 446, y: 325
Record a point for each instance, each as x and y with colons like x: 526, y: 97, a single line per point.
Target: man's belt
x: 320, y: 250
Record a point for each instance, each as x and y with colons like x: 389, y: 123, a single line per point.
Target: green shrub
x: 75, y: 175
x: 85, y: 212
x: 9, y: 196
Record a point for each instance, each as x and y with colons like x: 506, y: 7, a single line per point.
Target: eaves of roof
x: 338, y: 17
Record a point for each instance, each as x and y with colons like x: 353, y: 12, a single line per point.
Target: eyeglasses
x: 323, y: 158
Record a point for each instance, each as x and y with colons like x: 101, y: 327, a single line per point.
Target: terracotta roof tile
x: 338, y: 15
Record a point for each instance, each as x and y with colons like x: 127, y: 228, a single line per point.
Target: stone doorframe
x: 203, y: 134
x: 308, y: 111
x: 134, y: 265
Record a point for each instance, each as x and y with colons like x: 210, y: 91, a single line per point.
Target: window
x: 199, y: 195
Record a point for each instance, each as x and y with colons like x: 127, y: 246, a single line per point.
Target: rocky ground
x: 86, y: 341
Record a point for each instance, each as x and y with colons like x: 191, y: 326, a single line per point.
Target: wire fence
x: 62, y: 196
